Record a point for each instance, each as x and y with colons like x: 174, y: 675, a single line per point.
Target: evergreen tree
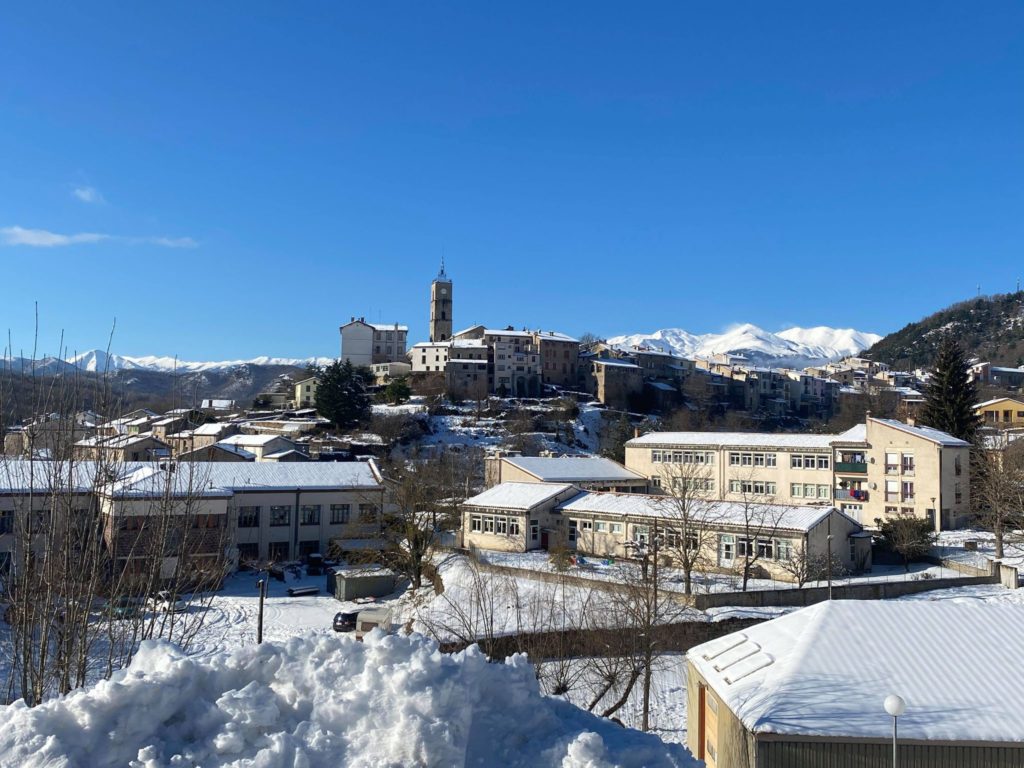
x: 951, y: 395
x: 397, y: 391
x: 341, y: 394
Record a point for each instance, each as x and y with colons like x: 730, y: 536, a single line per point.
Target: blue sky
x: 236, y: 179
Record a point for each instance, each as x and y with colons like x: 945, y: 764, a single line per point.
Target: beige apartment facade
x: 881, y: 469
x: 737, y: 466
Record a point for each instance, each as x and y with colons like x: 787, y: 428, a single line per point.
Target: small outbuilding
x: 354, y: 583
x: 806, y: 690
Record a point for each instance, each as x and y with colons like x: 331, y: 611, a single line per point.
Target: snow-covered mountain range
x: 792, y: 347
x: 98, y: 360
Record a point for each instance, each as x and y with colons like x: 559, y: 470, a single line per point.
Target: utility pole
x: 261, y: 585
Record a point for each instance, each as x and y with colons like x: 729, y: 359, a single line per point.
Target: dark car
x: 345, y: 621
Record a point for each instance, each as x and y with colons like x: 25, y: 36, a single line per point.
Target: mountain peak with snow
x: 795, y: 346
x: 99, y: 361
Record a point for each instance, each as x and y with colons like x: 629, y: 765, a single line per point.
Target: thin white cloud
x: 88, y: 195
x: 41, y: 238
x: 169, y: 242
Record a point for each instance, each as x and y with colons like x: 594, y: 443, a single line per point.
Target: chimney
x: 636, y: 431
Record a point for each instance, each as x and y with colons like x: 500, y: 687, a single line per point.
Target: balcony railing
x: 852, y: 467
x: 844, y: 494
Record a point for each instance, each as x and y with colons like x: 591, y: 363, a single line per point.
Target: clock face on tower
x: 444, y: 291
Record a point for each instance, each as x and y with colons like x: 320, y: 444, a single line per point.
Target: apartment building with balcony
x: 880, y: 469
x: 782, y: 468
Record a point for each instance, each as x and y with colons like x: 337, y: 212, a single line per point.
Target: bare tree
x: 85, y: 543
x: 997, y: 491
x: 690, y: 517
x: 758, y: 519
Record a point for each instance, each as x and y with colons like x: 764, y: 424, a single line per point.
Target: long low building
x: 807, y: 689
x: 518, y: 517
x: 267, y: 510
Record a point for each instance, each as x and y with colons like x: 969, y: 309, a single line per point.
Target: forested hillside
x: 989, y: 327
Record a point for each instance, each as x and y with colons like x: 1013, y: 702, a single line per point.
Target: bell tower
x: 441, y: 306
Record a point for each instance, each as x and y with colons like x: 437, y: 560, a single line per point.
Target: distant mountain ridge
x: 797, y: 347
x: 99, y: 361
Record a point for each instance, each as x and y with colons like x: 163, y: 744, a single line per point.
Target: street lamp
x: 895, y: 706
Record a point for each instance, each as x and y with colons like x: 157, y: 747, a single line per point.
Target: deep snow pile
x: 321, y: 701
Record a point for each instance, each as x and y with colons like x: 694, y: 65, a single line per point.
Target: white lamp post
x: 895, y: 706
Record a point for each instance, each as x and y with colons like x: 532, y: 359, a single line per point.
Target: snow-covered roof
x: 617, y: 363
x: 571, y: 469
x: 858, y: 433
x: 517, y: 495
x: 247, y: 455
x: 117, y: 441
x: 388, y: 327
x: 250, y: 441
x: 799, y: 675
x: 663, y: 386
x: 928, y: 433
x: 18, y: 475
x: 555, y: 336
x: 735, y: 439
x: 212, y: 429
x: 498, y: 332
x: 784, y: 517
x: 999, y: 400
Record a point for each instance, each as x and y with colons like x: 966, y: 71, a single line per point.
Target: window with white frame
x: 726, y: 548
x: 615, y: 527
x: 601, y: 526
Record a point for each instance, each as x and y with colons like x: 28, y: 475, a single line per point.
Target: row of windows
x: 810, y: 491
x: 309, y: 514
x: 731, y: 547
x: 689, y: 483
x: 807, y: 461
x: 496, y: 524
x: 682, y: 457
x: 751, y: 459
x: 758, y: 487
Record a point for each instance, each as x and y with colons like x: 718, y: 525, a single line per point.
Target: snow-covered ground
x: 667, y: 715
x: 321, y: 701
x: 622, y: 570
x: 950, y: 544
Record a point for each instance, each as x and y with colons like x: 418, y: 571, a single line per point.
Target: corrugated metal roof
x: 571, y: 469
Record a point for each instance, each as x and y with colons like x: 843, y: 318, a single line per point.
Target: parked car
x: 125, y: 607
x: 165, y: 600
x: 345, y: 621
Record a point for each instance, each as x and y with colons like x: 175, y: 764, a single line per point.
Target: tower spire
x: 441, y: 275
